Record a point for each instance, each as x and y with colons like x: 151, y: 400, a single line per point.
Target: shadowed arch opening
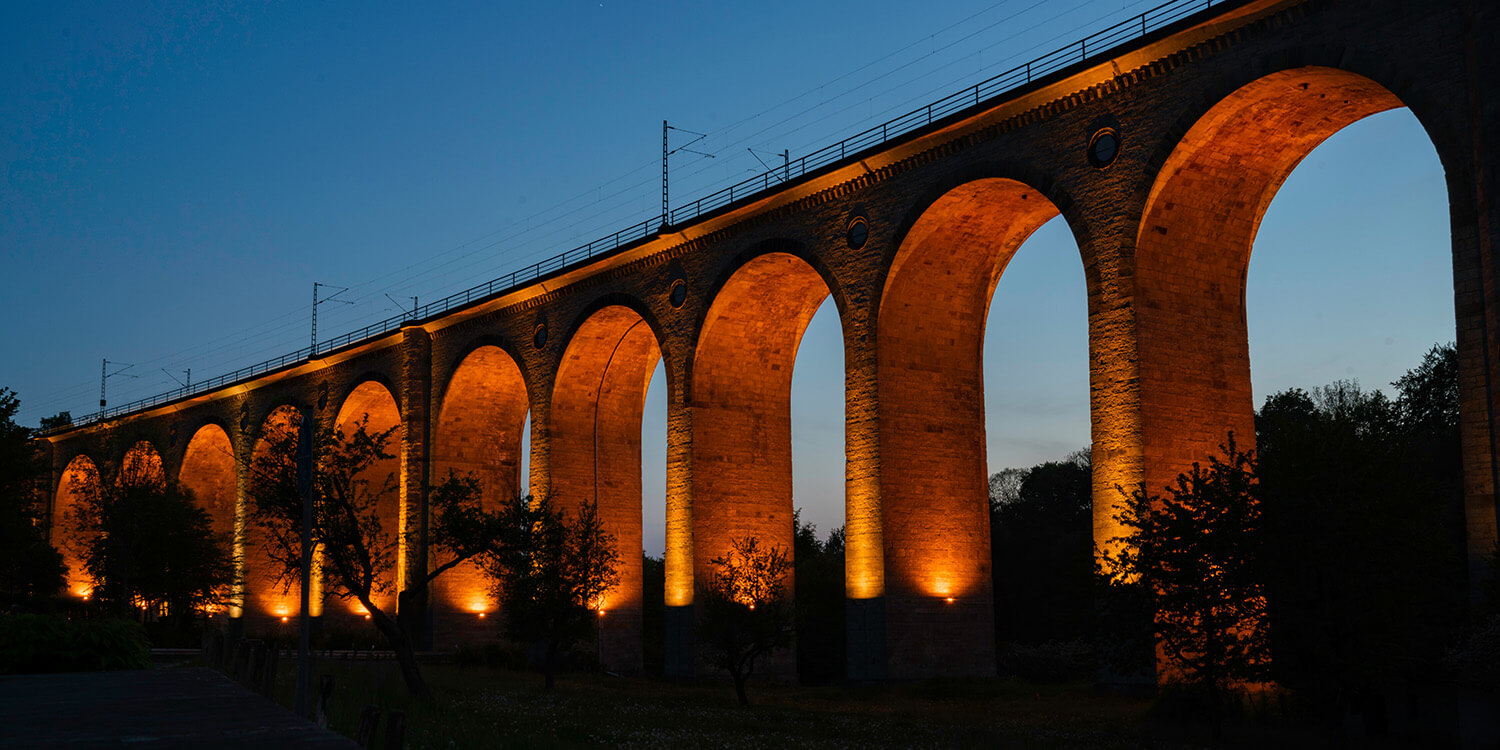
x: 598, y: 400
x: 741, y: 407
x: 372, y: 403
x: 141, y: 465
x: 80, y: 481
x: 1193, y: 255
x: 208, y: 471
x: 478, y: 431
x: 273, y: 459
x: 933, y: 470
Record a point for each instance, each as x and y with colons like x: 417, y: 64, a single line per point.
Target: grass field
x: 483, y: 707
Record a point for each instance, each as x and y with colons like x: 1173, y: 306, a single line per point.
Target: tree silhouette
x: 150, y: 548
x: 349, y: 537
x: 1196, y: 549
x: 745, y: 614
x: 30, y: 568
x: 553, y: 582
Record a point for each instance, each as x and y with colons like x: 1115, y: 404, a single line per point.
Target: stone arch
x: 266, y: 594
x: 370, y: 402
x: 933, y: 474
x: 1042, y: 181
x: 1192, y: 255
x: 741, y: 404
x: 598, y: 397
x: 140, y: 465
x: 208, y: 471
x: 79, y: 484
x: 780, y: 246
x: 480, y: 420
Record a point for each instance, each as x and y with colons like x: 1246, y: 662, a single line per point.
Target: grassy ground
x: 481, y: 707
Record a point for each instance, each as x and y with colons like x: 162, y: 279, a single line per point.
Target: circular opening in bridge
x: 858, y: 233
x: 679, y: 293
x: 1104, y: 147
x: 540, y: 337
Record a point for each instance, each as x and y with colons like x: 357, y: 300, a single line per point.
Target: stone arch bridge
x: 1161, y: 148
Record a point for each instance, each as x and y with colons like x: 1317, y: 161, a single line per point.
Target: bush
x: 1053, y: 661
x: 32, y: 644
x: 491, y: 655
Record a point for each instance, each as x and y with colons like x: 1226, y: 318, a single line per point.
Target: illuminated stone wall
x: 598, y: 398
x: 1210, y: 118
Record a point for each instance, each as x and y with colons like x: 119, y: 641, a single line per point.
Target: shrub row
x: 31, y: 644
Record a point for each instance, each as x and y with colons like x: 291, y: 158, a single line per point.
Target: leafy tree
x: 1197, y: 549
x: 355, y: 547
x: 60, y: 419
x: 553, y: 582
x: 820, y: 604
x: 149, y: 547
x: 1042, y: 562
x: 745, y: 613
x: 1363, y: 507
x: 654, y: 612
x: 30, y: 568
x: 1005, y: 487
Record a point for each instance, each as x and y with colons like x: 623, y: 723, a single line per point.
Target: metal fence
x: 1097, y: 43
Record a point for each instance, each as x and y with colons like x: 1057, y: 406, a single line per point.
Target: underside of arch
x: 372, y: 405
x: 478, y: 433
x: 267, y: 595
x: 741, y: 406
x: 1192, y: 260
x: 933, y: 481
x: 597, y: 404
x: 208, y: 472
x: 79, y: 483
x: 1193, y: 255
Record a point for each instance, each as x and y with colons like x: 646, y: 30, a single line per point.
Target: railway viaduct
x: 1160, y: 142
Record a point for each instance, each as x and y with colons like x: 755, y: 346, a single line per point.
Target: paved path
x: 162, y: 708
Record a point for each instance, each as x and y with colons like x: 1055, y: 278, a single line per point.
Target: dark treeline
x: 1362, y: 548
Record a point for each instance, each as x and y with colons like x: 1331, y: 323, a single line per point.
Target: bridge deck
x: 151, y: 709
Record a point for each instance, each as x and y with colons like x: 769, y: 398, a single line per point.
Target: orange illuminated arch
x: 373, y: 403
x: 1193, y: 254
x: 208, y: 472
x: 478, y: 431
x: 272, y: 458
x: 741, y: 402
x: 598, y: 399
x: 79, y: 484
x: 933, y: 474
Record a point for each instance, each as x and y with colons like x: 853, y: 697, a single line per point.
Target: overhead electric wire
x: 429, y: 276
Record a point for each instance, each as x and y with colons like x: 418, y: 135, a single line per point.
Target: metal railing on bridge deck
x: 1097, y: 43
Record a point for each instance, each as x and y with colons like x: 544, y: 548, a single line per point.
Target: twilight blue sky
x: 177, y: 175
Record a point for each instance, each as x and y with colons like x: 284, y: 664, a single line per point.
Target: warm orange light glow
x: 283, y: 619
x: 601, y: 613
x: 942, y: 586
x: 481, y: 615
x: 949, y: 600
